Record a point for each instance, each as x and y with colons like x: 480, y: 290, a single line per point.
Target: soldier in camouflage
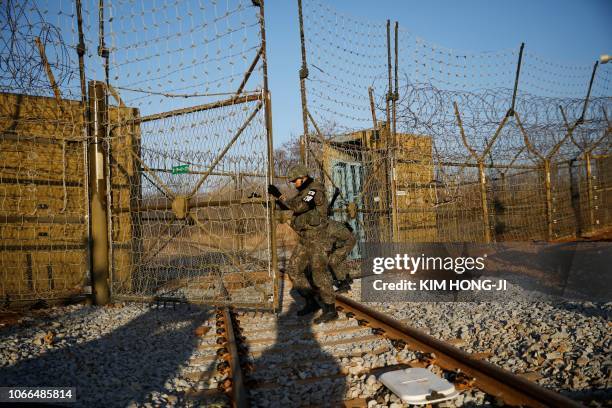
x: 310, y: 222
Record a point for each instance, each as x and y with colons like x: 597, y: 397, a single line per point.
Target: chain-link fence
x: 139, y: 136
x: 430, y: 144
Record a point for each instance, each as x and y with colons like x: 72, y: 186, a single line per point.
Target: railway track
x: 266, y: 360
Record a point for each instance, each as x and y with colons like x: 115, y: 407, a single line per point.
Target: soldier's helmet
x: 297, y: 171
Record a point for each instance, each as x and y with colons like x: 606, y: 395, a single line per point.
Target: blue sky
x: 562, y: 31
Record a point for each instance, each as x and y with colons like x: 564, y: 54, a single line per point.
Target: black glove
x: 273, y: 190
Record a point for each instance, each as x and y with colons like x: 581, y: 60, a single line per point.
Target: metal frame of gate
x: 182, y: 207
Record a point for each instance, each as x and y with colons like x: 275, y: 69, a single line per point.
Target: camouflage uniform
x: 342, y: 243
x: 310, y: 222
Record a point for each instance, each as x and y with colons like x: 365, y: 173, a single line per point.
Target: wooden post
x: 99, y: 245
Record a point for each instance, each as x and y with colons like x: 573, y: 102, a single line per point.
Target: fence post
x: 589, y: 186
x: 390, y: 147
x: 98, y: 234
x: 270, y: 154
x: 483, y: 199
x: 549, y: 203
x: 303, y: 76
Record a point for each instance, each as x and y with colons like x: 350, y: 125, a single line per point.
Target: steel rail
x: 491, y: 379
x: 239, y: 393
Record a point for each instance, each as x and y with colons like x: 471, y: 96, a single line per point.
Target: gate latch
x: 179, y: 207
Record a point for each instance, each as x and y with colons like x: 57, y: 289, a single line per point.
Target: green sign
x: 182, y: 169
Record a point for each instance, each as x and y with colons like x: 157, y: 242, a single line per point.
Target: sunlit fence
x: 428, y: 144
x: 136, y: 146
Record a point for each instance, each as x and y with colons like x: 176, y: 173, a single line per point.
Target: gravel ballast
x: 563, y: 346
x: 132, y: 355
x: 127, y: 355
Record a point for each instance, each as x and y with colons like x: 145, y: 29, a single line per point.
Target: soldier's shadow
x: 120, y: 367
x: 296, y: 371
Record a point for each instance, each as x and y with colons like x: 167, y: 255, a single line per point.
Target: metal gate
x: 189, y: 217
x: 348, y: 176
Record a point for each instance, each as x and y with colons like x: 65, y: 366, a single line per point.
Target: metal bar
x: 373, y: 109
x: 213, y: 173
x: 516, y: 80
x: 394, y: 141
x: 390, y: 173
x: 196, y: 202
x: 389, y: 75
x: 150, y: 299
x: 303, y: 76
x: 512, y: 389
x: 98, y: 197
x: 495, y: 136
x: 41, y: 182
x: 589, y: 180
x: 483, y: 200
x: 44, y: 219
x: 461, y: 131
x: 526, y: 138
x: 396, y: 91
x: 588, y: 95
x: 239, y: 391
x: 51, y: 247
x: 227, y: 147
x: 548, y: 187
x: 314, y: 156
x: 570, y: 128
x: 43, y: 57
x: 236, y: 262
x: 115, y: 95
x: 151, y: 256
x: 247, y: 74
x: 161, y: 185
x: 270, y: 208
x: 199, y: 108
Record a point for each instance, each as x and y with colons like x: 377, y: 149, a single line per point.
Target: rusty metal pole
x: 516, y: 80
x: 388, y: 140
x: 395, y: 92
x: 394, y: 147
x: 483, y: 198
x: 303, y: 75
x: 270, y: 151
x: 589, y: 186
x: 99, y: 244
x: 104, y: 52
x: 85, y: 117
x: 549, y: 203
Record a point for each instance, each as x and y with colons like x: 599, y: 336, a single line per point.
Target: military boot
x: 311, y: 306
x: 343, y: 286
x: 329, y: 314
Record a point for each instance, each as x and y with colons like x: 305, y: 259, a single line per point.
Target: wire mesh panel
x: 43, y: 173
x: 191, y: 220
x: 453, y: 145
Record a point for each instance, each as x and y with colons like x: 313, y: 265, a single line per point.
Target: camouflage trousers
x: 311, y: 254
x: 337, y: 261
x: 342, y: 244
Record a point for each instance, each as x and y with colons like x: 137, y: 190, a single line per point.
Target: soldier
x: 342, y: 243
x: 309, y: 208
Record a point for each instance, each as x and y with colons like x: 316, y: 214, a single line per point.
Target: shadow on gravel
x: 603, y: 396
x: 122, y: 366
x: 283, y: 376
x: 587, y: 309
